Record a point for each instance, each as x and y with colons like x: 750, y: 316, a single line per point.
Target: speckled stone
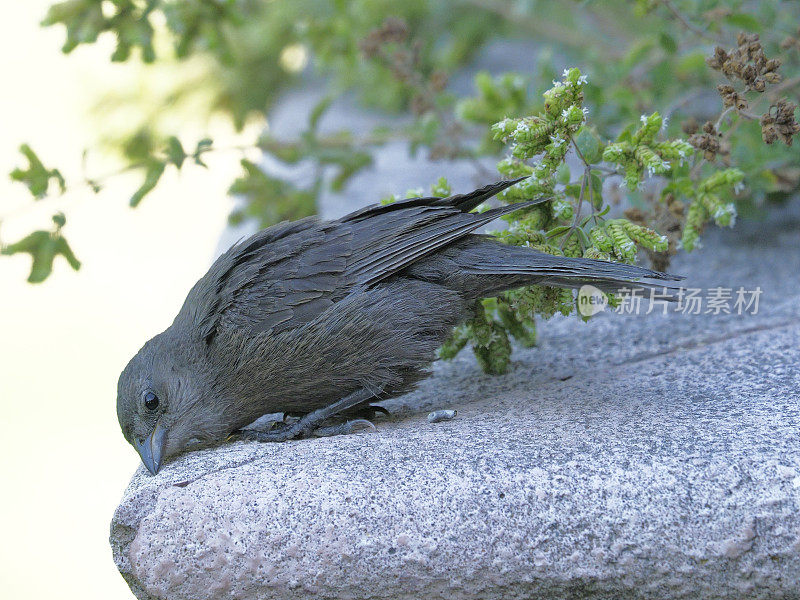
x: 655, y: 456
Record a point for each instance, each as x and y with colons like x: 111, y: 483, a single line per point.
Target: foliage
x: 687, y: 117
x: 44, y: 246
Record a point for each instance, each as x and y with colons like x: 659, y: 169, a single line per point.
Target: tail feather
x: 616, y: 286
x: 500, y: 267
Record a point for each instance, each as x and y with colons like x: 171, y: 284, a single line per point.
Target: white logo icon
x: 591, y: 301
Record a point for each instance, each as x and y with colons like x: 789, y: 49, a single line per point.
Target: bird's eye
x: 150, y: 401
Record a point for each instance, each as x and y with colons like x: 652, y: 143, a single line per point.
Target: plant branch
x: 688, y: 25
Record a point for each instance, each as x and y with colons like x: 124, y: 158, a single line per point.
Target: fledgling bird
x: 321, y: 318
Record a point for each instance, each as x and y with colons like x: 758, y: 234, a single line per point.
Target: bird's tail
x: 498, y: 267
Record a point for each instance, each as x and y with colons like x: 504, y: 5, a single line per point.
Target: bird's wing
x: 389, y: 238
x: 279, y: 278
x: 286, y: 275
x: 463, y: 202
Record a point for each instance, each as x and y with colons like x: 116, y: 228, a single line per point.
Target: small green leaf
x: 626, y: 135
x: 585, y: 241
x: 556, y: 231
x: 563, y: 174
x: 667, y: 42
x: 203, y: 146
x: 318, y: 111
x: 744, y: 21
x: 175, y: 152
x: 153, y: 172
x: 43, y: 246
x: 596, y: 189
x: 62, y: 248
x: 37, y: 177
x: 573, y: 190
x: 590, y: 145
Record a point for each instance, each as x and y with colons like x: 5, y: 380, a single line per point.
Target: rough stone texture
x: 646, y: 457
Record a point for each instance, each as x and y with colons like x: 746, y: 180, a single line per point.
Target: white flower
x: 557, y: 140
x: 738, y: 187
x: 582, y: 79
x: 565, y: 73
x: 664, y: 122
x: 643, y: 119
x: 522, y: 127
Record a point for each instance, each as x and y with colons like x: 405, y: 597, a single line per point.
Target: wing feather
x: 285, y: 276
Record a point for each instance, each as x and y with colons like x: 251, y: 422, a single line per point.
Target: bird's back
x: 285, y: 276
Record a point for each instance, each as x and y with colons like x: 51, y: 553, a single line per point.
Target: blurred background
x: 142, y: 138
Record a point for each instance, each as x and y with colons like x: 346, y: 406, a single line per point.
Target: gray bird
x: 321, y: 318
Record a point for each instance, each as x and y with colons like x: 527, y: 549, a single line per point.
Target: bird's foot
x: 281, y: 432
x: 278, y: 432
x: 312, y: 422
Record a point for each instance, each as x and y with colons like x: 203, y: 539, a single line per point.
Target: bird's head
x: 162, y: 403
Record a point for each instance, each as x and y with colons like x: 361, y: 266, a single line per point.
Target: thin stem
x: 584, y: 180
x: 724, y: 114
x: 685, y: 22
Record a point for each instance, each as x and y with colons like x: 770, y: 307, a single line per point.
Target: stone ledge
x: 665, y: 480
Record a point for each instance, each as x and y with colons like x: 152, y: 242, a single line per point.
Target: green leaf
x: 667, y: 42
x: 573, y: 190
x: 585, y: 241
x: 626, y: 135
x: 175, y: 152
x: 37, y: 177
x: 590, y: 145
x: 318, y: 111
x: 743, y: 21
x: 43, y: 246
x: 597, y: 189
x: 62, y: 248
x: 556, y: 231
x: 563, y: 174
x: 203, y: 146
x: 693, y: 63
x: 153, y: 172
x: 356, y: 162
x: 268, y: 199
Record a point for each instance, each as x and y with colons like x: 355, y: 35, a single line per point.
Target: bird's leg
x: 312, y: 421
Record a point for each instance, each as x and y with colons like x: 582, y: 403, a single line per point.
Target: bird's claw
x: 275, y: 434
x: 285, y: 431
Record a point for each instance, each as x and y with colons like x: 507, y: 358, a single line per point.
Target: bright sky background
x: 63, y: 461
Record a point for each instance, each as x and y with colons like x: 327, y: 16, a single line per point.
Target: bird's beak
x: 151, y: 449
